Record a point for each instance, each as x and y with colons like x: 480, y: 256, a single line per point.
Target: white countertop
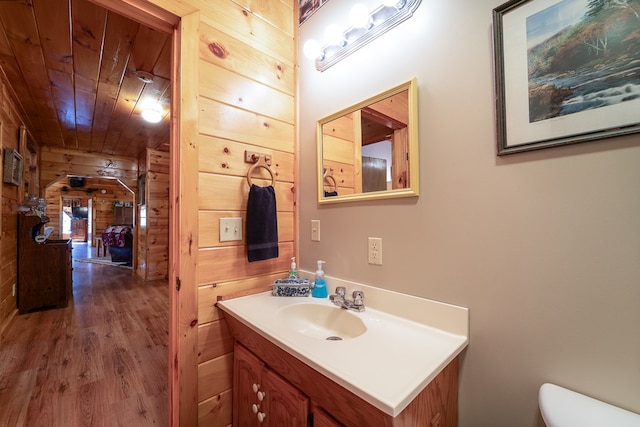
x: 408, y: 341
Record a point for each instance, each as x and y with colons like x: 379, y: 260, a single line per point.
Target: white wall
x: 543, y: 247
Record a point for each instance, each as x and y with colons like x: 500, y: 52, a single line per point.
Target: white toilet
x: 561, y: 407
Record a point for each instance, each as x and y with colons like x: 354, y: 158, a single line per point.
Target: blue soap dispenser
x: 319, y: 285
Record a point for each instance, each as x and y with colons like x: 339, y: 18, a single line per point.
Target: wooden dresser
x: 44, y: 269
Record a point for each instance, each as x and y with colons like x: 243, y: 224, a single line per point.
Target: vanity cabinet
x: 296, y: 387
x: 261, y: 397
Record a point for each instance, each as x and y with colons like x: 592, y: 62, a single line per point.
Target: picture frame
x: 564, y: 72
x: 12, y: 173
x: 307, y: 8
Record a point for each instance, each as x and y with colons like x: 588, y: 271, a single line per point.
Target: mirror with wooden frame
x: 369, y: 151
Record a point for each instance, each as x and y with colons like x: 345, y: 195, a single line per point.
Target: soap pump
x: 293, y: 272
x: 319, y: 285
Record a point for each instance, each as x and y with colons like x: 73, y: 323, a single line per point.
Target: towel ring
x: 328, y: 176
x: 260, y: 163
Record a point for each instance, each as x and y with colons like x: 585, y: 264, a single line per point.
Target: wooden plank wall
x: 339, y: 141
x: 153, y: 242
x: 246, y: 102
x: 11, y: 197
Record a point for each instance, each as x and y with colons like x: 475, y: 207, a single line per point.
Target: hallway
x: 101, y: 361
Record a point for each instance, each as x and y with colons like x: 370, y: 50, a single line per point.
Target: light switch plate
x: 315, y: 230
x: 230, y: 229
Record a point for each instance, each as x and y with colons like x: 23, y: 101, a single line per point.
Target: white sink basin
x: 324, y: 322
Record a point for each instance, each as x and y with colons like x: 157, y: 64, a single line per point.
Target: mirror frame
x: 414, y: 176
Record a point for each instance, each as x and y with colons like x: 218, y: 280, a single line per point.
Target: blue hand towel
x: 262, y: 224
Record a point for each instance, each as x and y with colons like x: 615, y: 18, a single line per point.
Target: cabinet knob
x: 261, y: 416
x: 255, y: 387
x: 261, y: 396
x: 255, y: 408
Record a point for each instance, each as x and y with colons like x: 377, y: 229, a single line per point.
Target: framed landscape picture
x: 566, y: 71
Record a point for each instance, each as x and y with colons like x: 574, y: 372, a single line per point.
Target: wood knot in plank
x: 63, y: 387
x: 82, y: 43
x: 218, y: 50
x: 87, y: 32
x: 194, y: 323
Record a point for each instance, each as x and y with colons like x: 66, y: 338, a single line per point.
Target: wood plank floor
x: 102, y: 361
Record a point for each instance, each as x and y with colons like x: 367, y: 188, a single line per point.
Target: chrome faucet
x: 356, y: 304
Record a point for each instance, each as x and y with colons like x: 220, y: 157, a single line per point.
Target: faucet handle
x: 358, y: 298
x: 340, y: 290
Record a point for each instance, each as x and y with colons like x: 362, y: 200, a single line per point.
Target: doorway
x: 77, y: 219
x: 182, y: 359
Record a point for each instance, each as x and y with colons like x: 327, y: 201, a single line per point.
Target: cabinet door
x: 263, y: 398
x: 284, y: 405
x: 247, y: 373
x: 123, y: 215
x: 322, y: 419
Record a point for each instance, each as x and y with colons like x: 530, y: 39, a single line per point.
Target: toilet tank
x: 561, y: 407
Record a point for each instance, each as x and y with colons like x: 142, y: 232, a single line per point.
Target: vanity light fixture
x: 398, y: 4
x: 359, y: 17
x: 334, y: 36
x: 313, y: 50
x: 365, y: 27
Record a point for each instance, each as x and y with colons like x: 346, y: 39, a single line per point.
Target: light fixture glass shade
x: 312, y: 49
x: 359, y: 16
x: 333, y: 35
x: 152, y: 115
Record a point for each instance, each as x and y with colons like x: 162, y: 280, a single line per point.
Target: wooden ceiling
x: 74, y: 69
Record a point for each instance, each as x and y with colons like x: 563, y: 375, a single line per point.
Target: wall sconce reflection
x: 365, y: 26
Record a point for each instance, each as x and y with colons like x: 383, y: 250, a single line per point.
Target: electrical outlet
x: 230, y: 229
x: 315, y: 230
x: 375, y: 250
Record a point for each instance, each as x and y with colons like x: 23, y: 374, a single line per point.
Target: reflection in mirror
x: 370, y: 150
